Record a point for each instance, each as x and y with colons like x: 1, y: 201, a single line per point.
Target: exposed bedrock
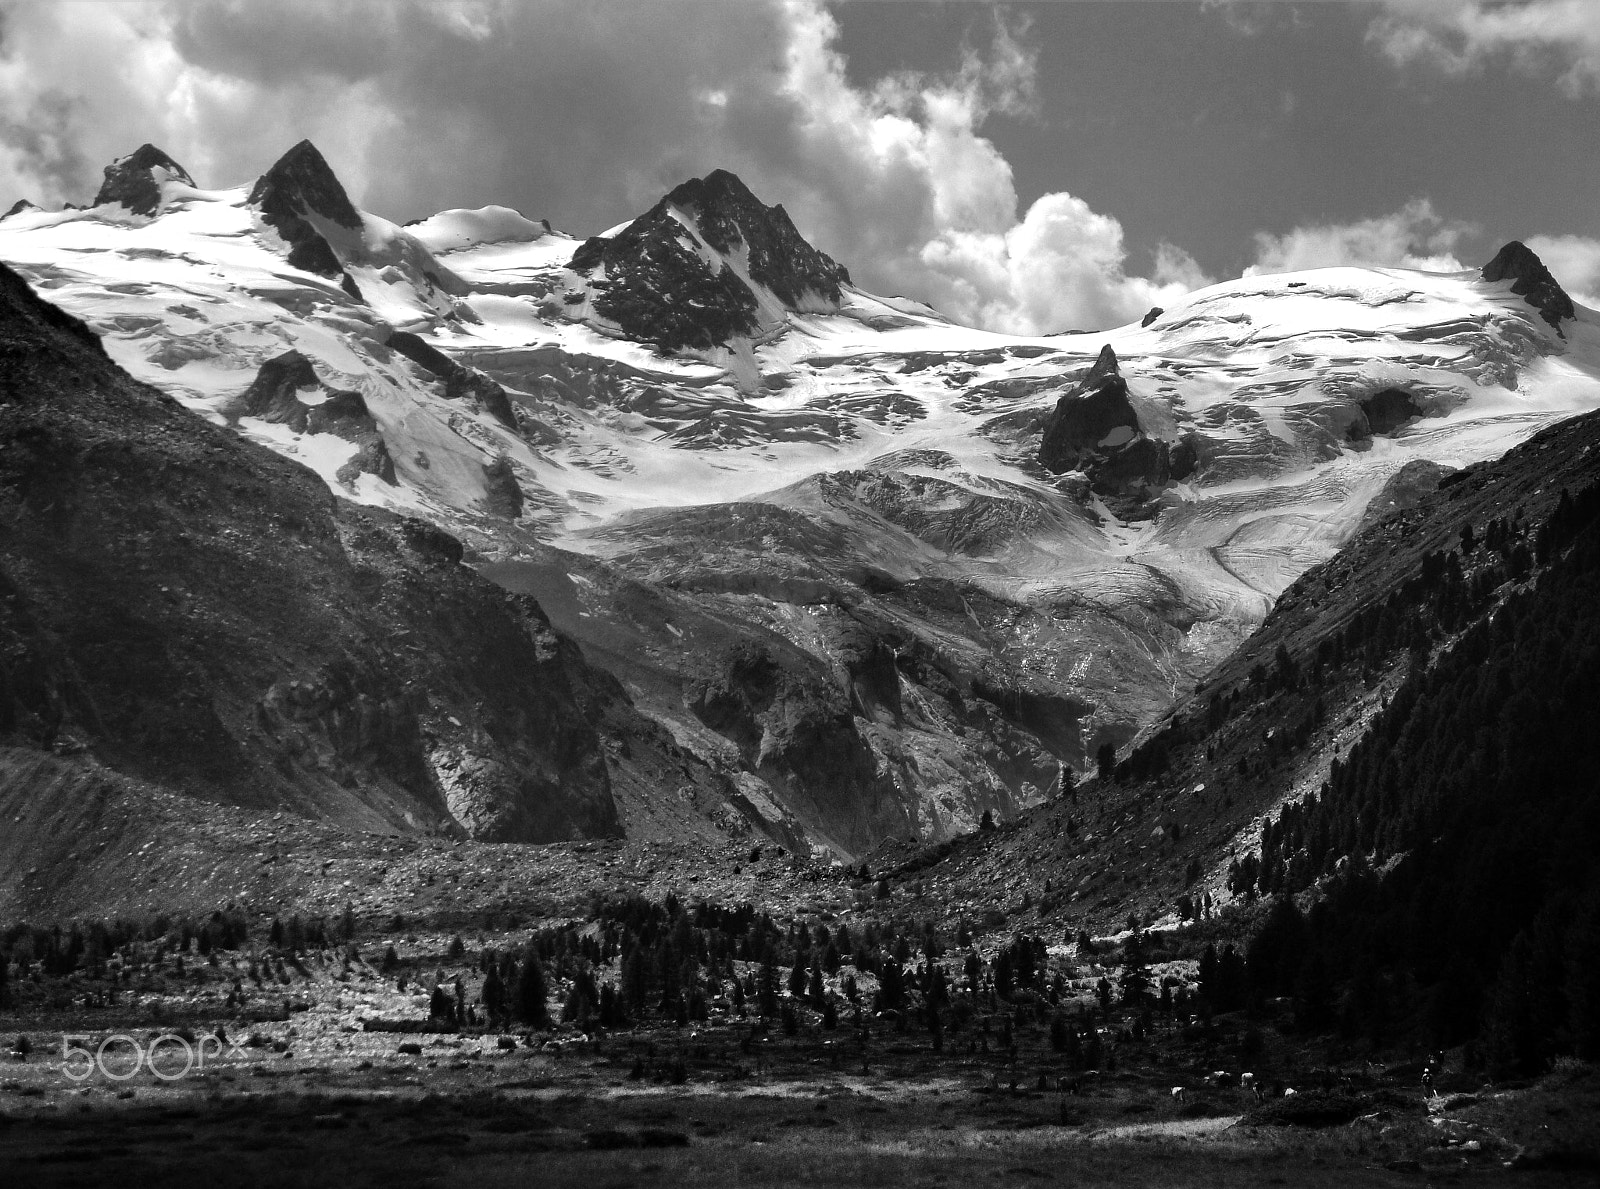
x: 1095, y: 429
x: 131, y: 182
x: 274, y: 397
x: 1530, y: 278
x: 300, y: 184
x: 659, y: 288
x: 794, y: 728
x: 461, y: 383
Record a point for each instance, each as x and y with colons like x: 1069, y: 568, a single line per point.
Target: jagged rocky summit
x: 659, y: 287
x: 298, y: 190
x: 1533, y: 281
x: 1095, y: 429
x: 135, y: 181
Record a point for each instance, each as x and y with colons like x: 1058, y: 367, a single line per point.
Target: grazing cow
x: 1288, y: 1091
x: 1177, y: 1095
x: 1427, y: 1083
x: 1247, y: 1080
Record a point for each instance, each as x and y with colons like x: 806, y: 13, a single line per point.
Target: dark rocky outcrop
x: 274, y: 397
x: 1093, y: 413
x: 421, y: 353
x: 1095, y: 429
x: 300, y: 185
x: 1531, y: 280
x: 181, y: 606
x: 502, y: 495
x: 469, y: 384
x: 130, y: 181
x: 727, y: 214
x: 461, y: 382
x: 19, y: 206
x: 1155, y: 312
x: 659, y: 288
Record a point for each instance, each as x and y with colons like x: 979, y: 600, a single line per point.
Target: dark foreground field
x: 464, y: 1110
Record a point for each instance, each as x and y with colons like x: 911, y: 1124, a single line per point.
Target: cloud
x: 1574, y: 261
x: 1253, y: 18
x: 1553, y: 38
x: 585, y: 114
x: 1412, y: 237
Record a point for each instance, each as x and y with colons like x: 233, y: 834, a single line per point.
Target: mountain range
x: 755, y: 551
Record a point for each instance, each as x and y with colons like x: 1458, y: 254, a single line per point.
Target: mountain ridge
x: 856, y: 479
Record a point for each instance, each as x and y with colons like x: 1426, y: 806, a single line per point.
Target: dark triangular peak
x: 1092, y: 414
x: 131, y: 181
x: 19, y: 206
x: 300, y: 183
x: 1520, y: 264
x: 726, y: 213
x: 1105, y: 367
x: 1095, y: 429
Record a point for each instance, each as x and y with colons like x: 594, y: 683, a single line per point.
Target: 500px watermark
x: 119, y: 1057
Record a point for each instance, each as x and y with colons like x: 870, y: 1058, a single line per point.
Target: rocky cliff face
x: 1530, y: 278
x: 274, y: 397
x: 135, y: 181
x: 193, y: 610
x: 1095, y: 429
x: 659, y: 286
x: 297, y: 191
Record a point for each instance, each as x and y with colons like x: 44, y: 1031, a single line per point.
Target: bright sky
x: 1031, y: 167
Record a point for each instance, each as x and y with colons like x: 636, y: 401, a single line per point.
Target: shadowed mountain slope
x: 189, y: 608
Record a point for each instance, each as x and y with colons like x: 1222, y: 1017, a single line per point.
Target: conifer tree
x: 528, y: 1000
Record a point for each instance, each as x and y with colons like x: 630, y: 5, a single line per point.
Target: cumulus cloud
x: 585, y: 114
x: 1554, y: 38
x: 1412, y: 237
x: 1574, y: 261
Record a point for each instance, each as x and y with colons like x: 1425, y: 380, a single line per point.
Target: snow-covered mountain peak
x: 702, y: 402
x: 707, y: 266
x: 459, y: 229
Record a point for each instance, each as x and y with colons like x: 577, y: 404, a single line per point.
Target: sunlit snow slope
x: 702, y: 402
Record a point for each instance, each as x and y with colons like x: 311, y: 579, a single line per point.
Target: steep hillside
x: 1174, y: 827
x: 186, y: 607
